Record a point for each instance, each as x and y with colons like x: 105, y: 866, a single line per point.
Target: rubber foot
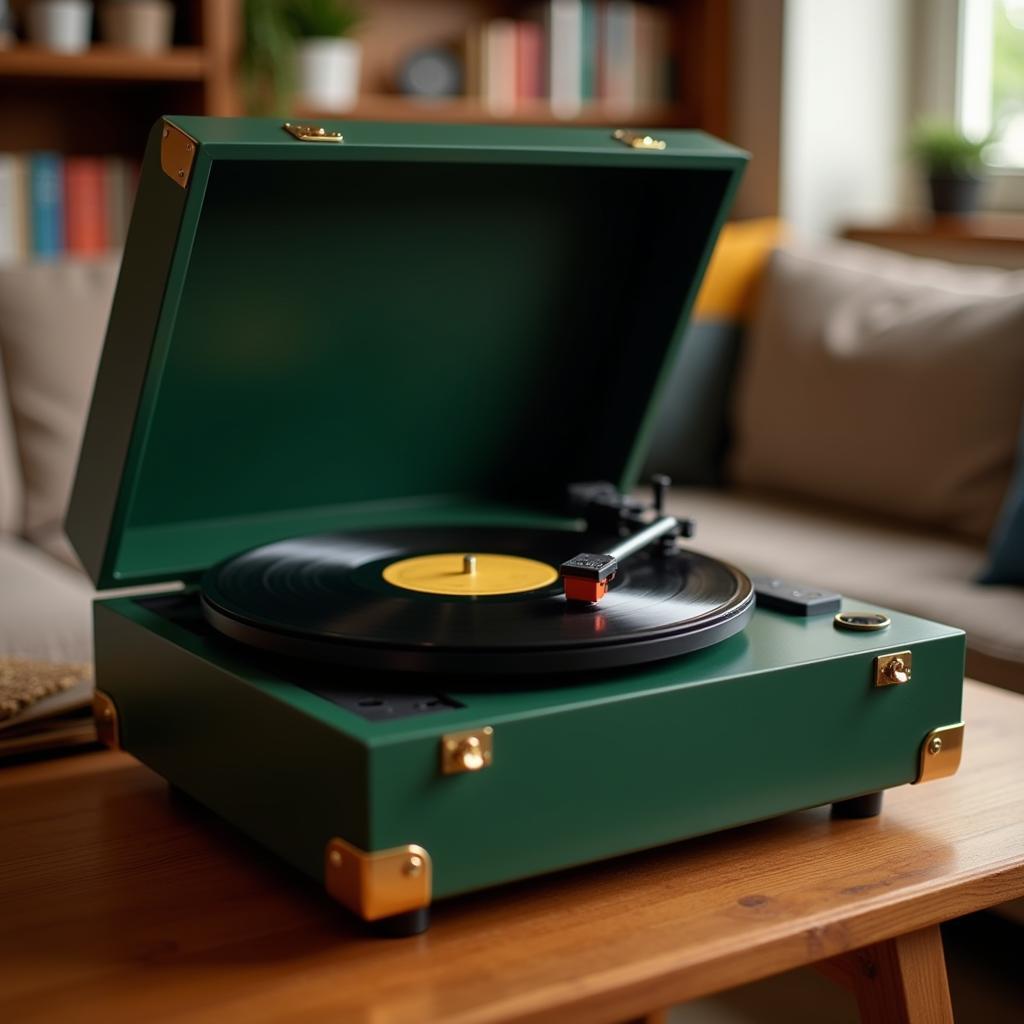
x: 401, y: 926
x: 867, y: 806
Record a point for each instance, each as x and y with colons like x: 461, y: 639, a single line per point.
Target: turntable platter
x: 346, y: 598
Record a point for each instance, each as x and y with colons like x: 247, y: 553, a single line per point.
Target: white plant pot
x: 328, y: 73
x: 143, y: 25
x: 62, y: 25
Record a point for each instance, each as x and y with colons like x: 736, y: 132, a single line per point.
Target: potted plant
x: 953, y: 164
x: 145, y: 25
x: 62, y: 25
x: 280, y: 36
x: 327, y: 63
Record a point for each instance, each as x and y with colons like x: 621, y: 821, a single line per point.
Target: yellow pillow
x: 730, y: 284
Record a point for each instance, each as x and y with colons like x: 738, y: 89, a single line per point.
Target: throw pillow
x: 1006, y: 554
x: 883, y: 382
x: 690, y: 432
x: 53, y: 318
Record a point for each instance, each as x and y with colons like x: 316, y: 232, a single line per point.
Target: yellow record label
x: 469, y: 575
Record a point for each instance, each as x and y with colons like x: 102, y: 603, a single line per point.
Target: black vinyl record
x: 324, y: 597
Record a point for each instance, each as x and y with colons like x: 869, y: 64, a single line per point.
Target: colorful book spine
x: 499, y: 66
x: 529, y: 62
x: 46, y: 198
x: 618, y: 37
x: 15, y: 234
x: 614, y: 54
x: 590, y: 52
x: 85, y: 206
x: 565, y: 57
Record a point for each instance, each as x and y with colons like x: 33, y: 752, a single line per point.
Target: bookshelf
x: 74, y: 125
x: 105, y: 99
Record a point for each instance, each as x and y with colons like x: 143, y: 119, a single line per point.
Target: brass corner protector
x: 893, y: 669
x: 940, y: 753
x: 177, y: 152
x: 312, y: 133
x: 636, y: 141
x: 467, y: 751
x: 378, y: 884
x: 104, y: 712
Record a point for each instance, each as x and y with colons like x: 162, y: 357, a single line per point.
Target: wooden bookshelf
x: 470, y: 110
x: 105, y: 100
x: 80, y: 103
x: 179, y: 64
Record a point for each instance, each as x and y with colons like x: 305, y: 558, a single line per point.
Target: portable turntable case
x: 425, y: 324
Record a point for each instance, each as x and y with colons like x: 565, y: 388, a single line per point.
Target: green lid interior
x: 381, y: 331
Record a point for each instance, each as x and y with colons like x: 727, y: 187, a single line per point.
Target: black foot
x: 401, y: 926
x: 867, y: 806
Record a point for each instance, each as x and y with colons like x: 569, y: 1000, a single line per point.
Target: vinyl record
x: 326, y: 597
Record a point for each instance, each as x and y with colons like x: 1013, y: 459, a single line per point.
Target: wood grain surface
x: 121, y: 904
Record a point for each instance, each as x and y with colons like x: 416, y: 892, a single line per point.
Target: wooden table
x: 119, y: 903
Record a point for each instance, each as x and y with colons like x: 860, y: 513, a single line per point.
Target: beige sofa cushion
x: 11, y: 497
x: 877, y: 562
x: 45, y: 606
x: 53, y: 318
x: 885, y: 383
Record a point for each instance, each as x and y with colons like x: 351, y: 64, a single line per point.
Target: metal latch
x: 893, y: 669
x: 468, y: 751
x: 635, y: 141
x: 312, y: 133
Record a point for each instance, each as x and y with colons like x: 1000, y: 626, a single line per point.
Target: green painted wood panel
x: 423, y: 316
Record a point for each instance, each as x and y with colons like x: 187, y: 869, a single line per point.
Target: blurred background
x: 846, y: 408
x: 827, y: 94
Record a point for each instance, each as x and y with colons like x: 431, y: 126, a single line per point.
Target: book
x: 564, y: 24
x: 85, y: 206
x: 529, y: 62
x: 499, y: 66
x: 618, y: 38
x: 46, y: 201
x: 118, y: 196
x: 590, y: 51
x: 15, y: 237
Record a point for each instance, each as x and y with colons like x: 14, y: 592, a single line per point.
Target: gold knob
x: 897, y: 671
x: 413, y: 866
x: 934, y: 744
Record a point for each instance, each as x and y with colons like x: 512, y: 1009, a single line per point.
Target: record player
x: 372, y: 405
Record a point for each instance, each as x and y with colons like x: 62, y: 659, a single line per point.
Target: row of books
x: 52, y: 205
x: 612, y: 53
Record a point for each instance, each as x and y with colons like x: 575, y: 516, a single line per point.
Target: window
x: 990, y: 94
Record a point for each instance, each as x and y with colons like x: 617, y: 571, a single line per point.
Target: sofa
x: 737, y: 465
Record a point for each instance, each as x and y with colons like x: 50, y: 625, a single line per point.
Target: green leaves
x: 270, y: 30
x: 318, y: 18
x: 944, y: 150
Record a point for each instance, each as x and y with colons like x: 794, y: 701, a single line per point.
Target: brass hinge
x: 312, y: 133
x: 635, y: 141
x: 177, y: 152
x: 378, y: 884
x: 940, y: 753
x: 104, y: 711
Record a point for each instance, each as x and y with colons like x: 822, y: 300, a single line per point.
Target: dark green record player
x: 372, y: 404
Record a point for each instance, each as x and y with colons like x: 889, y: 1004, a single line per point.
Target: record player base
x: 392, y: 811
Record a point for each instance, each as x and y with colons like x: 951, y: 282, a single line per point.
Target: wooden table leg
x: 900, y: 981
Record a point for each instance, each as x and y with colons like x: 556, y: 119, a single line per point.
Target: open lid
x: 413, y: 324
